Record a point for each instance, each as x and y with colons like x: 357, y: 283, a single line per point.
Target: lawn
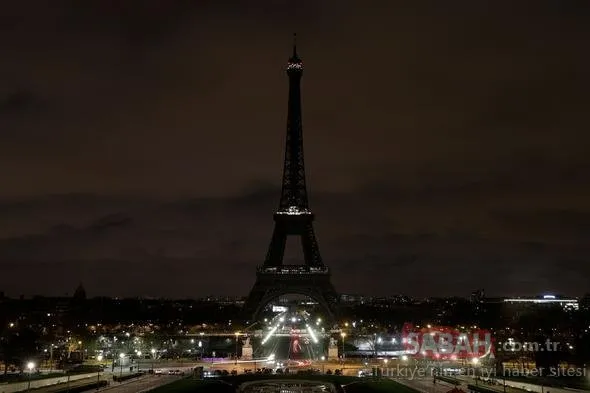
x: 222, y: 385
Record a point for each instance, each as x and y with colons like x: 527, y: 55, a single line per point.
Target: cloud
x: 568, y: 225
x: 190, y: 99
x: 18, y: 102
x: 221, y: 240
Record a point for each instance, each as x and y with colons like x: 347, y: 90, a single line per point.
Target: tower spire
x: 294, y: 191
x: 295, y: 60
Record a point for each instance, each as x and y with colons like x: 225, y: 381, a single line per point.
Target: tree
x: 17, y: 347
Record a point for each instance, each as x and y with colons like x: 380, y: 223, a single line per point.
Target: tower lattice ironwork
x: 293, y: 218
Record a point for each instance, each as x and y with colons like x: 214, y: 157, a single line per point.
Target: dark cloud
x: 18, y: 102
x: 567, y: 225
x: 223, y: 240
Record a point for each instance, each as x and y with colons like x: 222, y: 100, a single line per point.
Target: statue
x: 247, y: 350
x: 332, y: 342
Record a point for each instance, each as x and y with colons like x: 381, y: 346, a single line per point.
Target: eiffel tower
x: 293, y: 218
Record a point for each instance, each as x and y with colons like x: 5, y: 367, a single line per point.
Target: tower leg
x: 311, y: 250
x: 276, y: 249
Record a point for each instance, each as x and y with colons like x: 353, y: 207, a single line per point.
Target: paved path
x: 61, y: 386
x: 40, y: 383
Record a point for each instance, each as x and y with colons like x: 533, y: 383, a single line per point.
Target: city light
x: 272, y: 331
x: 312, y: 334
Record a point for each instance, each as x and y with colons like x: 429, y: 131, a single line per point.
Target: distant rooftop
x: 566, y: 303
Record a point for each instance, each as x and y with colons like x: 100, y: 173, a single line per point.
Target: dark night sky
x: 447, y: 144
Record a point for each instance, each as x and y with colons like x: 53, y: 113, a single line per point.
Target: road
x: 165, y: 364
x: 140, y: 385
x: 425, y: 385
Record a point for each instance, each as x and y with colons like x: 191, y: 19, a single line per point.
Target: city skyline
x: 345, y: 297
x: 445, y: 146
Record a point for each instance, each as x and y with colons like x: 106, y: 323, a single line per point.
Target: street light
x: 237, y: 335
x: 121, y: 357
x: 50, y: 357
x: 30, y: 367
x: 81, y: 349
x: 475, y: 362
x: 375, y: 345
x: 343, y: 335
x: 99, y: 358
x: 138, y: 359
x: 201, y: 350
x: 153, y: 356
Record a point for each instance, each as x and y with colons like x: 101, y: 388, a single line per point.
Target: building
x: 569, y: 304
